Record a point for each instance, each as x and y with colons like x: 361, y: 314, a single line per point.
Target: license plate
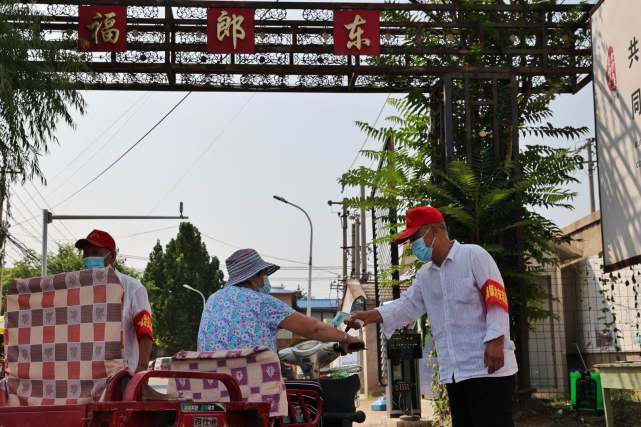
x: 205, y: 422
x: 201, y: 407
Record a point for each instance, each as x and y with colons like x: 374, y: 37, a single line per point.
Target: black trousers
x: 482, y: 402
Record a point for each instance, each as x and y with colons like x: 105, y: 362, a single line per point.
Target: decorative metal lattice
x: 167, y: 46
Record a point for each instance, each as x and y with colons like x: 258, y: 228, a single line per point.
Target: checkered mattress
x: 257, y: 371
x: 63, y: 337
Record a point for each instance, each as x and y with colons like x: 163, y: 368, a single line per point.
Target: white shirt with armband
x: 466, y: 304
x: 136, y: 317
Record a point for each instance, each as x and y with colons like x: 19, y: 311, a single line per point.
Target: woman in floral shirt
x: 244, y: 315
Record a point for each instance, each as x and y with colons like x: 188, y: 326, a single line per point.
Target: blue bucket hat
x: 245, y: 264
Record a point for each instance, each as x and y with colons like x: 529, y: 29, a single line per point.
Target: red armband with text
x: 144, y: 324
x: 494, y: 294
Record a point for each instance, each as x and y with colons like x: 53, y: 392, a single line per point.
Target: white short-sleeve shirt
x: 135, y: 301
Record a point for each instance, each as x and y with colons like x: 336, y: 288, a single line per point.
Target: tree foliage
x: 36, y: 95
x: 35, y: 89
x: 176, y: 310
x: 489, y: 195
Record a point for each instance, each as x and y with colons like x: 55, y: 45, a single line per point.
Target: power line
x: 135, y: 257
x: 104, y: 132
x: 37, y: 232
x: 358, y: 153
x: 14, y: 257
x: 22, y: 247
x: 94, y: 179
x: 262, y: 254
x: 95, y: 153
x: 204, y: 152
x: 127, y: 236
x: 69, y: 234
x: 14, y: 208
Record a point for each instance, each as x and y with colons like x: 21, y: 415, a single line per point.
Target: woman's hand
x: 349, y: 339
x: 314, y: 329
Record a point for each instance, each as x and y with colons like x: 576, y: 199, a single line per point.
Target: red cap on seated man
x: 99, y: 251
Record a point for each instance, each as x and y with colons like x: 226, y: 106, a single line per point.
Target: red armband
x: 494, y: 294
x: 144, y: 324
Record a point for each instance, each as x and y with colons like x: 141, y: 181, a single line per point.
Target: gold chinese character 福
x: 230, y: 26
x: 356, y: 33
x: 102, y: 29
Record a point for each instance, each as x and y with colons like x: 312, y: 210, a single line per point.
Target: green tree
x: 36, y: 95
x: 177, y: 311
x: 478, y: 198
x: 487, y: 196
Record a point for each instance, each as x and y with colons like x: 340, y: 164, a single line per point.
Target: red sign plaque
x: 102, y: 29
x: 230, y: 30
x: 357, y: 32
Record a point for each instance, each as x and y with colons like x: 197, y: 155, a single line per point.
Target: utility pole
x: 345, y: 249
x: 363, y: 241
x: 48, y: 217
x: 4, y: 226
x: 356, y: 252
x: 354, y: 271
x: 591, y: 174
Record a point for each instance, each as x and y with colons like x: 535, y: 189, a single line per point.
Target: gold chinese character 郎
x: 102, y: 28
x: 356, y: 33
x: 230, y: 26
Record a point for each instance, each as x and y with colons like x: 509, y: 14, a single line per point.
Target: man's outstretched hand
x: 362, y: 318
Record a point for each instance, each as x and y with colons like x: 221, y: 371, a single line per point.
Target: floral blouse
x: 237, y: 317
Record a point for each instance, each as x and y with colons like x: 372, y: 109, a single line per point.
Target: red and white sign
x: 616, y: 45
x: 102, y: 29
x: 357, y: 32
x: 230, y: 30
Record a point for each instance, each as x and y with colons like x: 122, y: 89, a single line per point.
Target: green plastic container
x: 575, y: 376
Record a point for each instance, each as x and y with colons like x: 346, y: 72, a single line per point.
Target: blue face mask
x: 421, y: 250
x: 93, y: 262
x: 266, y: 286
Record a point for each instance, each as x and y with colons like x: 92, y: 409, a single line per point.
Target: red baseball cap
x: 415, y: 218
x: 98, y: 238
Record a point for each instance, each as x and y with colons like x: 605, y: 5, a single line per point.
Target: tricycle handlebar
x: 134, y: 388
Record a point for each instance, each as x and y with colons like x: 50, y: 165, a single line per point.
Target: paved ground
x: 379, y: 419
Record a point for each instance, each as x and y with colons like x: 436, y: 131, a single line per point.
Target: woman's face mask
x: 266, y: 286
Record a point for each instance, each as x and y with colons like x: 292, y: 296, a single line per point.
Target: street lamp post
x: 311, y: 240
x: 186, y: 286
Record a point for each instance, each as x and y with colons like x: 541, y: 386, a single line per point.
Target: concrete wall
x: 547, y: 342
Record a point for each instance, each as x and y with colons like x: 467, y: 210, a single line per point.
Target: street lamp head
x: 281, y: 199
x: 186, y: 286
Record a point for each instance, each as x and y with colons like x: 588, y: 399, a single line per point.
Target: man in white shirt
x: 461, y: 290
x: 99, y: 251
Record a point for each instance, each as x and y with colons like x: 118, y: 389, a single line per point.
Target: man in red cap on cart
x: 461, y: 290
x: 99, y: 251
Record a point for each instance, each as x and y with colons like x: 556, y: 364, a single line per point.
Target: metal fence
x: 596, y: 319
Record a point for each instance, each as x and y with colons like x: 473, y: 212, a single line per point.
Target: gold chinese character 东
x: 230, y: 26
x: 102, y: 30
x: 356, y: 33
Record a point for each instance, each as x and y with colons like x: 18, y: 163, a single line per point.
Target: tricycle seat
x: 257, y: 371
x: 63, y: 338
